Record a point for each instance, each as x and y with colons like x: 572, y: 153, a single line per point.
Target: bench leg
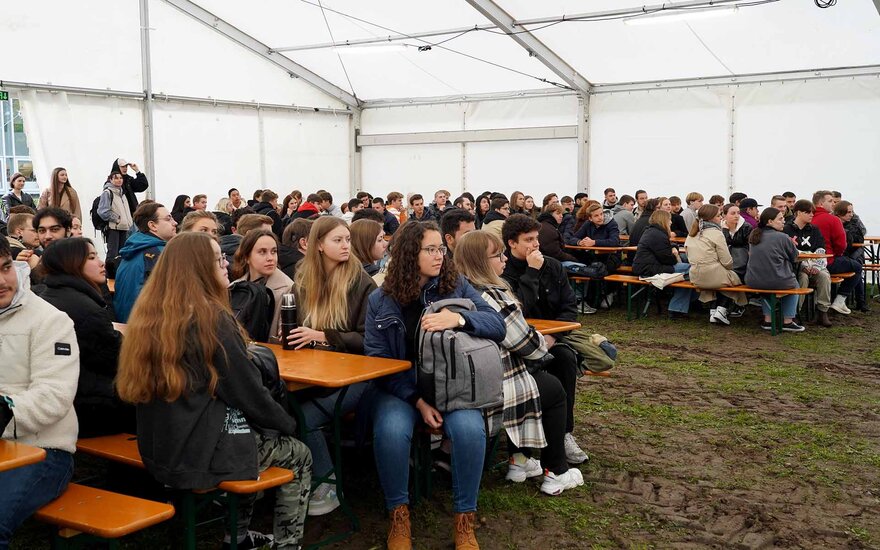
x: 774, y: 322
x: 188, y: 509
x: 232, y: 505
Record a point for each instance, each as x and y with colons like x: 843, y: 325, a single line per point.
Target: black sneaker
x: 735, y: 311
x: 677, y: 315
x: 253, y: 540
x: 766, y: 325
x: 793, y: 327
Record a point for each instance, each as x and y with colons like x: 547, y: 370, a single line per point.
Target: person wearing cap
x: 748, y: 209
x: 130, y: 184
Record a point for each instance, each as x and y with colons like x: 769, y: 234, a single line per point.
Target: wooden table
x: 552, y: 327
x: 596, y: 249
x: 16, y: 455
x: 305, y: 368
x: 120, y: 327
x: 111, y: 284
x: 811, y: 256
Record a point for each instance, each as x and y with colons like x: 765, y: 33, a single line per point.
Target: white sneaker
x: 839, y: 305
x: 554, y: 484
x: 720, y: 315
x: 573, y: 453
x: 518, y: 473
x: 712, y: 315
x: 607, y: 301
x: 323, y: 500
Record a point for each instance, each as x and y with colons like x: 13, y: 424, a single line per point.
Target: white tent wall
x: 531, y: 166
x: 83, y: 134
x: 666, y: 142
x: 207, y: 149
x: 806, y: 136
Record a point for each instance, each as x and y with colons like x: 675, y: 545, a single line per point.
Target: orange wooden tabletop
x: 872, y: 239
x: 111, y: 284
x: 120, y: 327
x: 597, y: 249
x: 119, y: 448
x: 552, y: 327
x: 810, y: 256
x: 16, y: 455
x: 328, y: 369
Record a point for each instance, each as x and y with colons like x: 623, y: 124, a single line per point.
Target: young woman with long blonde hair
x: 331, y: 291
x: 534, y: 410
x: 199, y: 399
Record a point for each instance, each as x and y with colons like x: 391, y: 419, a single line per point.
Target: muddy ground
x: 704, y: 437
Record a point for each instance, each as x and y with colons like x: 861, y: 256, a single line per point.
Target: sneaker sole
x: 560, y: 489
x: 323, y: 510
x: 841, y: 311
x: 520, y: 477
x: 801, y: 329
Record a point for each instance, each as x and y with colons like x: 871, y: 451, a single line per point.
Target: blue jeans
x: 25, y: 490
x: 318, y: 413
x: 681, y: 297
x: 393, y: 423
x: 789, y: 306
x: 845, y: 264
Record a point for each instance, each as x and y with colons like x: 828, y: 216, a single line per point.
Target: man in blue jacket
x: 140, y: 254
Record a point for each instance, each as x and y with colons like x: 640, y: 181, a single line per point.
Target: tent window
x: 14, y: 153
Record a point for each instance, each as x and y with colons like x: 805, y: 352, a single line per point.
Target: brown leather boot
x: 822, y: 318
x: 465, y: 539
x: 399, y: 535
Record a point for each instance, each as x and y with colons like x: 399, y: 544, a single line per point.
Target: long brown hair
x: 364, y: 233
x: 240, y: 263
x: 323, y: 297
x: 67, y: 257
x: 472, y: 253
x: 178, y: 310
x: 706, y: 213
x: 54, y: 192
x: 661, y: 218
x: 402, y: 280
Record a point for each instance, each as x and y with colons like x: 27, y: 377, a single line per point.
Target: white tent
x: 563, y: 95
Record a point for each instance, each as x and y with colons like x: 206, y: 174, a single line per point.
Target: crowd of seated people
x: 362, y: 273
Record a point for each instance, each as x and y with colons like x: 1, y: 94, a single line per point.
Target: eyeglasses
x: 499, y: 256
x: 222, y: 260
x: 434, y: 250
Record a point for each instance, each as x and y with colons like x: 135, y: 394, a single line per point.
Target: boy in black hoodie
x: 541, y: 286
x: 807, y: 238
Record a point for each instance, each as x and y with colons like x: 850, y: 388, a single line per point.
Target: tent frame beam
x: 469, y: 136
x: 516, y: 23
x: 147, y: 80
x: 207, y: 101
x: 496, y: 14
x: 233, y: 33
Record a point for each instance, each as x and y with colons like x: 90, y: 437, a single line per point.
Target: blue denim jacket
x: 385, y: 334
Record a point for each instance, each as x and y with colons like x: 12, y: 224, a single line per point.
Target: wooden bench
x: 629, y: 280
x: 123, y: 448
x: 83, y: 510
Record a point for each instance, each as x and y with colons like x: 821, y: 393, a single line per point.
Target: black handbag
x: 6, y: 415
x: 264, y: 360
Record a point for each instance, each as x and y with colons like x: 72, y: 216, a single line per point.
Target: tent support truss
x: 243, y: 39
x: 469, y: 136
x: 494, y: 13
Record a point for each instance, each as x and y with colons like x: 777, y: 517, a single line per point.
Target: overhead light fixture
x: 670, y: 15
x: 372, y: 48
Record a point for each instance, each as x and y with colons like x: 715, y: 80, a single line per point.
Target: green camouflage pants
x: 291, y: 499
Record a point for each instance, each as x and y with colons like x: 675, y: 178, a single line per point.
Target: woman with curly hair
x: 417, y: 276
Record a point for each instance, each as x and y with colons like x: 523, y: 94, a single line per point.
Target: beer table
x: 308, y: 367
x: 553, y: 327
x: 15, y: 455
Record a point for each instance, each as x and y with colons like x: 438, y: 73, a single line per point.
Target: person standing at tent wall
x: 61, y: 194
x: 130, y: 184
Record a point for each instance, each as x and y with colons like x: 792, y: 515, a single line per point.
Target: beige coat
x: 711, y: 264
x: 279, y: 284
x: 69, y: 202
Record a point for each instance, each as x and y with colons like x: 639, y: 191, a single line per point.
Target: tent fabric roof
x: 786, y: 35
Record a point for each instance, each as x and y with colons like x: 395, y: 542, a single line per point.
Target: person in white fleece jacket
x: 39, y: 370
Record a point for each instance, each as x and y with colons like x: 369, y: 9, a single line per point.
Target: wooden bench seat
x: 123, y: 448
x: 629, y: 281
x: 102, y: 513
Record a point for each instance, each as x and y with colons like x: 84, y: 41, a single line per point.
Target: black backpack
x: 97, y: 221
x: 253, y: 306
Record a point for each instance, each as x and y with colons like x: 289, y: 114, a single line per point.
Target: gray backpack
x: 457, y: 370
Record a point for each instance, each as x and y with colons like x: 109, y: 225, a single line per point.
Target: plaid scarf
x: 521, y: 413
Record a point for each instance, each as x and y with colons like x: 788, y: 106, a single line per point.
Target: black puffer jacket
x: 266, y: 209
x: 131, y: 185
x: 639, y: 228
x: 654, y: 254
x: 544, y: 293
x: 550, y: 239
x: 98, y: 341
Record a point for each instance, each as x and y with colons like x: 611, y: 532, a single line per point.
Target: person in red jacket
x: 835, y: 243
